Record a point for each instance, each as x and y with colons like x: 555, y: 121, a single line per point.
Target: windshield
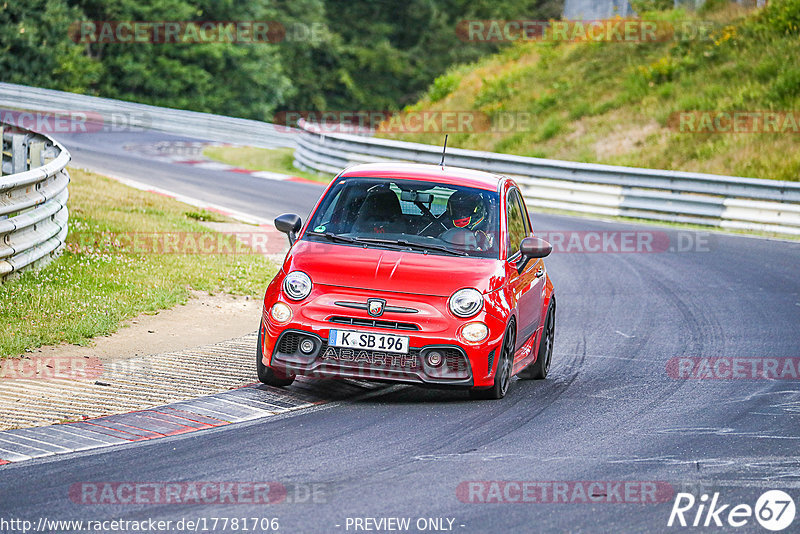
x: 418, y: 216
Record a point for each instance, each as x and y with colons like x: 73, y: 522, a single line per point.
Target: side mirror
x: 530, y: 248
x: 289, y: 224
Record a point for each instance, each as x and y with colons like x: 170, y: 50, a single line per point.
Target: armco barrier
x: 33, y: 201
x: 707, y: 199
x: 725, y: 201
x: 121, y: 114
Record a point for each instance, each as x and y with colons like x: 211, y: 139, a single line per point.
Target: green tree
x: 337, y: 54
x: 238, y: 79
x: 36, y: 49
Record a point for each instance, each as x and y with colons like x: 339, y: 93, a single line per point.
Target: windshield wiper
x: 356, y: 240
x: 418, y: 246
x: 334, y: 237
x: 396, y: 244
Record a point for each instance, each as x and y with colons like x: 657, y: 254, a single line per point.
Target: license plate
x: 368, y: 341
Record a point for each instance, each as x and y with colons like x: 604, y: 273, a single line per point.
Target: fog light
x: 434, y: 358
x: 307, y: 346
x: 474, y: 332
x: 280, y: 313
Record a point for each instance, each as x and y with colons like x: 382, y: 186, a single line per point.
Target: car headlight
x: 280, y: 313
x: 466, y: 302
x: 475, y: 332
x: 297, y: 285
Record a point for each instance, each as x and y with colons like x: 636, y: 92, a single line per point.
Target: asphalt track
x: 609, y: 411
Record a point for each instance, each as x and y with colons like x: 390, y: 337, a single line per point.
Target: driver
x: 467, y: 210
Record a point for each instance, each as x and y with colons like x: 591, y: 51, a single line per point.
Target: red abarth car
x: 411, y: 273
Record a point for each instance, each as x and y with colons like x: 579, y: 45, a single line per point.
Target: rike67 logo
x: 774, y: 510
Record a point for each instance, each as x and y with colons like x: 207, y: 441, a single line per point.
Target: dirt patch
x: 203, y: 347
x: 621, y: 142
x: 203, y: 320
x: 125, y: 385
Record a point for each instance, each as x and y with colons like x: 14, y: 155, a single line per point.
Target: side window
x: 524, y: 210
x: 517, y: 226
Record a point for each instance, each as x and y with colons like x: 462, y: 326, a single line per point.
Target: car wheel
x: 539, y: 369
x: 267, y: 375
x: 502, y: 377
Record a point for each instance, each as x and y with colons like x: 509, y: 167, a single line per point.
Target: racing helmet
x: 466, y: 209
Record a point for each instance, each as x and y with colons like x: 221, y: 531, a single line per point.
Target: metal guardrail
x: 706, y: 199
x: 118, y: 114
x: 33, y: 201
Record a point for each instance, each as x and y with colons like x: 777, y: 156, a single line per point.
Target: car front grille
x: 373, y: 323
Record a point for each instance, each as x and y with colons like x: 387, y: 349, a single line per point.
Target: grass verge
x: 111, y: 270
x: 618, y: 102
x: 262, y: 159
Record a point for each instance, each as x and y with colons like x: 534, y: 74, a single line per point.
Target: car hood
x: 391, y: 270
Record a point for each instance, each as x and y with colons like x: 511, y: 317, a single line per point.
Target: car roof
x: 434, y: 173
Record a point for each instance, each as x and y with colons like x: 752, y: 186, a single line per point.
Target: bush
x: 786, y: 87
x: 662, y: 70
x: 642, y: 6
x: 783, y: 16
x: 493, y: 92
x: 550, y: 129
x: 443, y: 86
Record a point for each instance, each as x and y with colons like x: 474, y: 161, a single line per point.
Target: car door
x: 527, y: 285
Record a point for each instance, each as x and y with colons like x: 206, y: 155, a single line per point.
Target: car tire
x: 266, y: 375
x: 538, y: 369
x: 505, y: 366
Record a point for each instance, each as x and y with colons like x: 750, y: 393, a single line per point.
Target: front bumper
x: 326, y: 361
x: 463, y: 364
